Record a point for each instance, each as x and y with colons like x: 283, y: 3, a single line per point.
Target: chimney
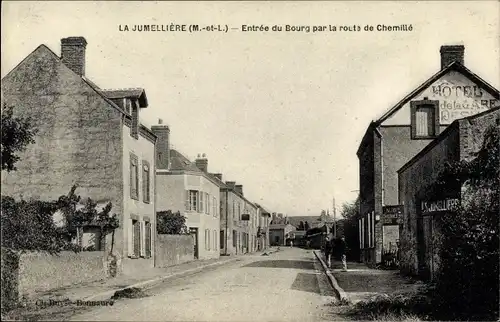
x: 218, y: 176
x: 202, y: 163
x: 73, y: 54
x: 230, y: 184
x: 239, y: 189
x: 162, y: 131
x: 451, y: 53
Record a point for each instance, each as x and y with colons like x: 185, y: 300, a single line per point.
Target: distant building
x: 239, y: 220
x: 419, y: 229
x: 183, y: 187
x: 263, y: 228
x: 402, y: 132
x: 89, y: 137
x: 279, y: 233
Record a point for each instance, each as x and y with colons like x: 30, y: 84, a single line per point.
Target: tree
x: 350, y: 213
x: 468, y: 278
x: 306, y: 226
x: 17, y: 133
x: 301, y: 226
x: 171, y: 223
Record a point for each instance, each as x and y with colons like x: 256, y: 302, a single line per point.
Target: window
x: 207, y: 234
x: 424, y: 119
x: 215, y: 240
x: 192, y: 200
x: 222, y: 239
x: 145, y: 182
x: 136, y: 238
x: 214, y: 206
x: 239, y: 211
x: 147, y: 236
x: 134, y: 177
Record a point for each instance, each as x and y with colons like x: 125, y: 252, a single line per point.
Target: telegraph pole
x: 334, y: 218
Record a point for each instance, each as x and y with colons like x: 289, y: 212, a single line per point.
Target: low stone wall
x: 29, y: 274
x: 173, y: 250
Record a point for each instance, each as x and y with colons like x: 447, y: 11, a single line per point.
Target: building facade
x: 88, y: 137
x: 403, y: 131
x: 239, y: 221
x: 280, y: 233
x: 183, y: 187
x: 263, y: 228
x: 420, y: 232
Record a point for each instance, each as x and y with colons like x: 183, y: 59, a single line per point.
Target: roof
x: 443, y: 135
x: 454, y: 66
x: 295, y: 220
x: 179, y: 162
x: 264, y: 210
x: 137, y: 93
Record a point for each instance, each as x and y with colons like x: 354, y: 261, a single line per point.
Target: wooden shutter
x: 187, y: 203
x: 145, y: 181
x: 137, y: 238
x: 198, y: 197
x: 148, y: 240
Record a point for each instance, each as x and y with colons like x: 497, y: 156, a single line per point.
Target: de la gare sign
x: 439, y: 205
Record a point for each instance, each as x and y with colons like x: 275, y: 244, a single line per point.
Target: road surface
x: 284, y: 286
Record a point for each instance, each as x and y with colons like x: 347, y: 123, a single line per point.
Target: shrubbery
x: 30, y: 226
x: 171, y: 223
x: 468, y: 281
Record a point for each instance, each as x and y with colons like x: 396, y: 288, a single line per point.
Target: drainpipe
x: 227, y: 219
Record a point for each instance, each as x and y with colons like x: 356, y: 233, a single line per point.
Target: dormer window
x: 424, y: 119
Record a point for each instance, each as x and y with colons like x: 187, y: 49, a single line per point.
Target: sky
x: 281, y: 113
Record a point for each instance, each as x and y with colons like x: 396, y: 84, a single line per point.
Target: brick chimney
x: 239, y: 189
x: 451, y: 53
x: 230, y: 184
x: 162, y: 131
x: 73, y: 54
x: 202, y: 162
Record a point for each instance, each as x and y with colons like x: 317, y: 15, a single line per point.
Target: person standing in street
x: 329, y: 249
x: 342, y: 250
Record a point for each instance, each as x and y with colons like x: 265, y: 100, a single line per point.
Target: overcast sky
x: 281, y: 113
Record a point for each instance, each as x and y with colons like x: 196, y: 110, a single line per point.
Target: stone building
x: 419, y: 229
x: 183, y: 186
x: 239, y: 220
x: 87, y: 137
x: 263, y: 228
x: 399, y: 134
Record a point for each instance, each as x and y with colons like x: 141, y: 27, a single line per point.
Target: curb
x: 153, y: 282
x: 342, y: 295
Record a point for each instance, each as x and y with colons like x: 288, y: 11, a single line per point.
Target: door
x: 194, y: 234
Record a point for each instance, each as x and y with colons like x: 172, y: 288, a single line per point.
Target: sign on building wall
x: 391, y: 215
x: 439, y: 205
x: 459, y: 97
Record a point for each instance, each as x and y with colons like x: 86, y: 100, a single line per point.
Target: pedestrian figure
x: 329, y: 249
x: 342, y: 250
x: 291, y: 243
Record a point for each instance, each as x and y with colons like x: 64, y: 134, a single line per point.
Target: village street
x: 286, y: 286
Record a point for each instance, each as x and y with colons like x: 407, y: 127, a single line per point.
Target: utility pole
x: 334, y: 218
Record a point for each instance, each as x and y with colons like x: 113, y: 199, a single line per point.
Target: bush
x: 171, y: 223
x: 29, y: 225
x: 467, y: 284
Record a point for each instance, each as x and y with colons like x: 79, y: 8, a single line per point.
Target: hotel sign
x: 391, y: 214
x: 439, y: 205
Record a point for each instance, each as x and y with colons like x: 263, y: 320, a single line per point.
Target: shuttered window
x: 202, y: 201
x: 136, y: 237
x: 145, y: 182
x: 134, y: 177
x: 424, y: 119
x: 192, y: 200
x: 148, y: 239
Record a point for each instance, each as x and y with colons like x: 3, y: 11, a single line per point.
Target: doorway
x: 194, y: 234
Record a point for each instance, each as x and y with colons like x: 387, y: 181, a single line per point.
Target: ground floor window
x: 136, y: 238
x: 147, y: 236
